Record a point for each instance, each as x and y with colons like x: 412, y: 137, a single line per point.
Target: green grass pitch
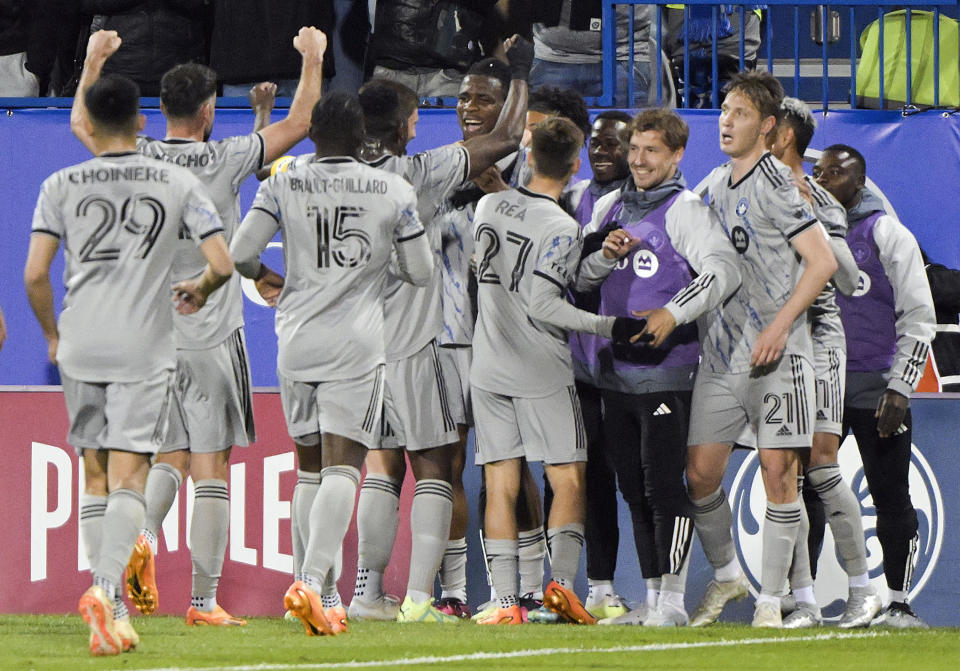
x: 50, y: 642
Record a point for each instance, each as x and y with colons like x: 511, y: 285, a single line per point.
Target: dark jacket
x: 429, y: 33
x: 945, y: 289
x: 156, y: 34
x: 252, y: 40
x: 14, y: 27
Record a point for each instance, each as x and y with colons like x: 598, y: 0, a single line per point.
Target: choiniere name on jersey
x: 133, y: 173
x: 338, y: 185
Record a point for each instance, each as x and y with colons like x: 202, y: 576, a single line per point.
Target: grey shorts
x: 351, y: 408
x: 548, y: 429
x: 455, y: 363
x: 213, y: 393
x: 416, y: 413
x: 127, y: 416
x: 778, y: 407
x: 831, y: 367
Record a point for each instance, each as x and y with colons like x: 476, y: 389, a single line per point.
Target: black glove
x: 520, y: 56
x: 593, y: 242
x: 625, y: 328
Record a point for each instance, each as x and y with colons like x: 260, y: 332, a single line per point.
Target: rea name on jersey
x: 339, y: 220
x: 760, y: 214
x: 222, y: 166
x: 414, y: 315
x: 119, y: 217
x: 520, y: 234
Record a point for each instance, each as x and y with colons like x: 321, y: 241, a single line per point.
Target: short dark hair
x: 672, y: 128
x: 185, y: 87
x: 493, y: 68
x: 854, y: 154
x: 113, y: 102
x: 761, y: 88
x: 613, y: 115
x: 798, y: 116
x: 337, y: 123
x: 566, y: 103
x: 555, y: 146
x: 382, y: 116
x: 406, y: 97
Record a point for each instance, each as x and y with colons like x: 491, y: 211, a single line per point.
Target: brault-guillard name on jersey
x: 338, y: 185
x: 133, y: 173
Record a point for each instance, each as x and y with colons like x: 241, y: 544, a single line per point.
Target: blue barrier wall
x: 912, y: 160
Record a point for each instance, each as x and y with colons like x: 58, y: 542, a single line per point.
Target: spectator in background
x: 945, y: 288
x: 569, y: 53
x: 156, y: 34
x: 15, y: 79
x: 57, y: 44
x: 699, y: 27
x: 428, y: 45
x: 239, y: 25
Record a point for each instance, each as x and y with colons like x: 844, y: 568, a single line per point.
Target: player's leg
x: 623, y: 437
x: 308, y: 482
x: 93, y: 502
x: 886, y: 465
x: 602, y: 532
x: 663, y: 418
x: 499, y: 451
x: 805, y: 612
x: 377, y: 520
x: 429, y: 530
x: 531, y: 540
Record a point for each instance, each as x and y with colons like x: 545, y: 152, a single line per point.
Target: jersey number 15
x: 353, y: 249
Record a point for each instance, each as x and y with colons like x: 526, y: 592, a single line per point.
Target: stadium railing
x: 779, y: 14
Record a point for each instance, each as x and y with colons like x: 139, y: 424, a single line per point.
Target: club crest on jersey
x: 645, y: 263
x: 740, y: 238
x: 863, y: 285
x: 748, y: 501
x: 742, y: 207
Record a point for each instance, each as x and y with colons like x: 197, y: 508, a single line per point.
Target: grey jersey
x: 340, y: 220
x: 222, y: 166
x: 120, y: 217
x: 520, y: 234
x: 824, y: 314
x: 760, y: 214
x: 414, y: 315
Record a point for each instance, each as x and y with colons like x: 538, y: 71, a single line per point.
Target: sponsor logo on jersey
x: 645, y: 263
x: 748, y: 501
x: 863, y: 285
x: 741, y: 241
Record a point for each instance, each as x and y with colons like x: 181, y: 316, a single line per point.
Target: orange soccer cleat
x: 217, y: 617
x: 307, y: 606
x: 565, y: 603
x: 142, y: 577
x: 97, y: 612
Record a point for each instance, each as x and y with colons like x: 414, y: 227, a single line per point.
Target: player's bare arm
x: 101, y: 46
x: 269, y: 284
x: 262, y: 98
x: 192, y: 294
x: 3, y: 330
x: 485, y: 150
x: 36, y: 277
x: 279, y: 137
x: 819, y: 266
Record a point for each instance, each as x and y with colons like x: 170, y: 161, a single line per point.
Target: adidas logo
x: 784, y: 431
x: 662, y: 410
x: 821, y: 414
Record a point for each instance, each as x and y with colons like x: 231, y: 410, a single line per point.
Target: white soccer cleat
x: 767, y: 616
x: 716, y: 597
x: 806, y: 616
x: 385, y: 607
x: 863, y: 604
x: 667, y: 616
x: 899, y: 615
x: 635, y: 617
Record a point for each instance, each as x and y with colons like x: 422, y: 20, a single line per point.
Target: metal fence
x: 825, y: 22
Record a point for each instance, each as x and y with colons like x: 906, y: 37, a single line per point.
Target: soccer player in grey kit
x: 340, y: 220
x: 119, y: 216
x: 213, y: 378
x: 889, y: 323
x: 756, y: 364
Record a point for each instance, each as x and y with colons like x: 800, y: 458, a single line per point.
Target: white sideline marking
x: 481, y: 656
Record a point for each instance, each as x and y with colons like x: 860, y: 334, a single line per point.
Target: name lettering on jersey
x: 186, y: 160
x: 133, y: 173
x: 511, y: 210
x: 338, y: 185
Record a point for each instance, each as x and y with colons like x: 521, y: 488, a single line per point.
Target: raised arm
x: 485, y: 150
x: 279, y: 137
x: 101, y: 46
